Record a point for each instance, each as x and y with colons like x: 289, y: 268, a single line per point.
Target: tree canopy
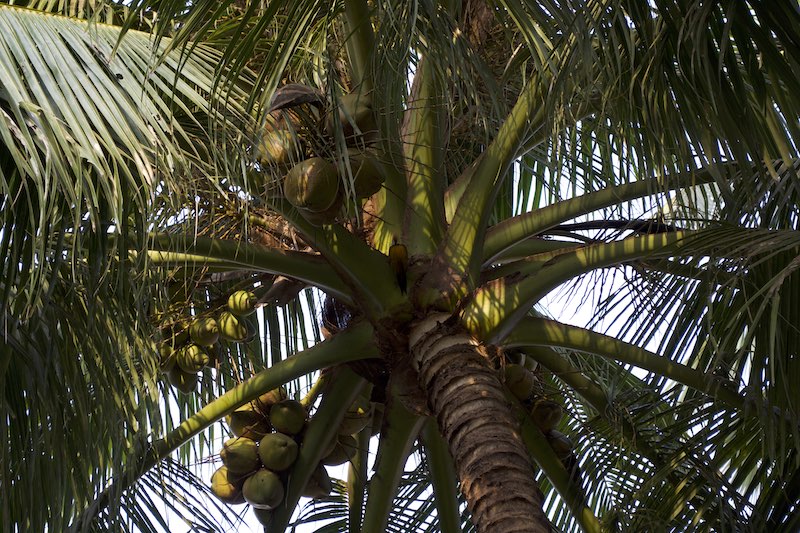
x: 397, y: 186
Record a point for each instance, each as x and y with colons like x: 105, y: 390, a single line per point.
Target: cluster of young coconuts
x: 187, y: 353
x: 267, y: 434
x: 546, y: 414
x: 314, y: 185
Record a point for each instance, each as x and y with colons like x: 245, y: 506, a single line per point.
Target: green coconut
x: 166, y: 357
x: 356, y: 118
x: 329, y: 216
x: 319, y: 484
x: 263, y: 490
x: 519, y: 380
x: 356, y: 417
x: 251, y: 324
x: 279, y: 147
x: 242, y: 303
x: 240, y: 455
x: 288, y: 416
x: 176, y: 334
x: 368, y: 173
x: 560, y: 444
x: 192, y: 358
x: 262, y: 515
x: 227, y: 487
x: 231, y: 328
x: 277, y: 451
x: 186, y: 382
x: 264, y: 402
x: 312, y: 185
x: 204, y: 331
x: 248, y: 422
x: 343, y: 451
x: 546, y: 414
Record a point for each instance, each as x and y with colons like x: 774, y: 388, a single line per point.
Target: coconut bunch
x: 256, y: 460
x: 315, y: 183
x: 523, y: 383
x: 188, y: 350
x: 267, y: 435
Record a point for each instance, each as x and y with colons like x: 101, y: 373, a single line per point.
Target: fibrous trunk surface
x: 466, y: 396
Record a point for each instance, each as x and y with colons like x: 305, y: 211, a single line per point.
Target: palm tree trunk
x: 466, y: 397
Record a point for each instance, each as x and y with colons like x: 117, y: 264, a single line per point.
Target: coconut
x: 277, y: 451
x: 249, y: 423
x: 546, y: 415
x: 312, y: 185
x: 227, y: 487
x: 166, y: 357
x: 288, y: 416
x: 240, y: 455
x: 343, y: 451
x: 264, y: 402
x: 192, y: 358
x: 204, y: 331
x: 368, y: 173
x: 519, y: 380
x: 329, y: 216
x: 262, y: 515
x: 356, y: 417
x: 319, y: 484
x: 356, y: 118
x: 231, y: 328
x: 560, y: 444
x: 263, y: 490
x: 185, y: 382
x: 242, y: 303
x: 279, y: 147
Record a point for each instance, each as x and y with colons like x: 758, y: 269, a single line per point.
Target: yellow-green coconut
x: 166, y: 357
x: 319, y: 484
x: 277, y: 451
x: 192, y: 358
x: 356, y: 118
x: 312, y: 185
x: 242, y: 303
x: 262, y: 515
x: 560, y: 444
x: 248, y: 422
x: 519, y: 380
x: 240, y: 455
x: 368, y: 173
x: 279, y: 147
x: 227, y: 487
x: 356, y: 417
x: 265, y: 402
x: 204, y: 331
x: 263, y: 490
x: 288, y: 416
x: 231, y: 328
x: 343, y: 451
x: 546, y: 414
x: 186, y: 382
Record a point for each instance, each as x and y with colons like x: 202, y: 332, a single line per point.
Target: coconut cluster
x: 544, y: 412
x: 186, y: 353
x: 267, y: 434
x: 313, y: 182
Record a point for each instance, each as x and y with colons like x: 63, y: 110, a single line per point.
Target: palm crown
x: 434, y: 169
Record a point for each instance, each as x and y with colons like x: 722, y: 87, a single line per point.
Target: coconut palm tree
x: 401, y: 187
